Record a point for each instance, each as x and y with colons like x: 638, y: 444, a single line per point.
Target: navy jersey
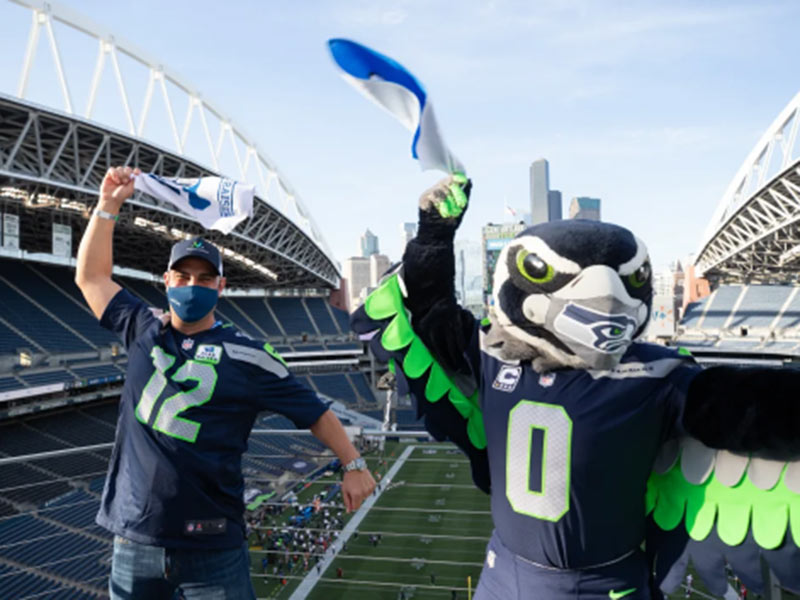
x: 570, y: 452
x: 187, y: 408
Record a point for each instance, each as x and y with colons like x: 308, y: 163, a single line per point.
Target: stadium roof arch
x: 755, y: 231
x: 54, y: 157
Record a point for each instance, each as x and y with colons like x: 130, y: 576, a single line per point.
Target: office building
x: 378, y: 265
x: 369, y: 244
x: 540, y: 187
x: 408, y: 231
x: 554, y: 212
x: 493, y: 239
x: 356, y: 272
x: 585, y: 208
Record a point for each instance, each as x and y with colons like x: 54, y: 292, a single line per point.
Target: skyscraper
x: 585, y: 208
x: 378, y: 265
x: 554, y: 205
x: 369, y: 244
x: 356, y: 272
x: 540, y: 186
x: 408, y: 231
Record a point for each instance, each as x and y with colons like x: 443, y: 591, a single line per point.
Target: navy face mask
x: 192, y: 302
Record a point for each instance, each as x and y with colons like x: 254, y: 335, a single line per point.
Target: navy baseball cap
x: 199, y: 248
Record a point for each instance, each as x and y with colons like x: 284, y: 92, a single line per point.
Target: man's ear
x: 166, y: 279
x: 222, y: 283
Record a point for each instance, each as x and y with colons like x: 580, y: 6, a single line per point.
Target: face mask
x: 594, y: 317
x: 192, y: 302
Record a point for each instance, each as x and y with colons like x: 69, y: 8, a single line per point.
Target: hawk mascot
x: 611, y: 463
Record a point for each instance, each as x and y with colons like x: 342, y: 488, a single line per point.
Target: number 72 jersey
x: 570, y: 452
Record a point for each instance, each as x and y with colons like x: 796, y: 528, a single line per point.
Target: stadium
x: 423, y: 534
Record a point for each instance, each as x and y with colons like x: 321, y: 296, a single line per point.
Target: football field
x: 434, y: 525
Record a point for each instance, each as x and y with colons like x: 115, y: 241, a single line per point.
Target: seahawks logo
x: 605, y: 333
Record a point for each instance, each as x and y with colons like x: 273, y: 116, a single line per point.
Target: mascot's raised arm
x: 588, y: 441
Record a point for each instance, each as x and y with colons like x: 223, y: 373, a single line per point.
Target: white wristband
x: 105, y: 215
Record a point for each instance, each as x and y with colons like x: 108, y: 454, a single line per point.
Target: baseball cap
x: 197, y: 247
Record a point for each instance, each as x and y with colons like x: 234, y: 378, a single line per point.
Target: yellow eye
x: 640, y: 276
x: 533, y: 268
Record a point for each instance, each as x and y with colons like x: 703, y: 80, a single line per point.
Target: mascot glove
x: 443, y: 205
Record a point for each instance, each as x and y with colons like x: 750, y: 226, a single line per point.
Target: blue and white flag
x: 387, y: 83
x: 214, y: 202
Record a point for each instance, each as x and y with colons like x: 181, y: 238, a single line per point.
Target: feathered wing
x: 449, y: 412
x: 717, y: 508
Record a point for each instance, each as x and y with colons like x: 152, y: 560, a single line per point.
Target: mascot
x: 611, y: 463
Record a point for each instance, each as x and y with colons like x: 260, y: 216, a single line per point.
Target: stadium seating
x: 46, y: 377
x: 790, y: 317
x: 154, y: 296
x: 9, y: 383
x: 722, y: 303
x: 228, y: 311
x: 336, y: 386
x: 257, y: 310
x: 76, y: 315
x: 10, y: 342
x: 292, y: 316
x: 760, y: 305
x: 362, y: 386
x: 35, y: 324
x: 319, y: 312
x: 345, y: 346
x: 95, y: 371
x: 342, y: 319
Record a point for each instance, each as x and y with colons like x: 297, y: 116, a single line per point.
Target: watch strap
x: 357, y: 464
x: 105, y: 215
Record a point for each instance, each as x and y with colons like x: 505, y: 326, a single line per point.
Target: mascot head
x: 570, y: 294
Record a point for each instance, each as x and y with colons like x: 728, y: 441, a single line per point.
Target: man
x: 173, y: 496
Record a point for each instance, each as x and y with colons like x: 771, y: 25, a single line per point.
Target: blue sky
x: 650, y: 106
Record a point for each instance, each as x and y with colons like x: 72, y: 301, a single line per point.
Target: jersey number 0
x: 552, y: 501
x: 167, y: 420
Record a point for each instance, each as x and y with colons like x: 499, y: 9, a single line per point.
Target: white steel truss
x: 755, y: 231
x: 227, y: 142
x: 53, y: 161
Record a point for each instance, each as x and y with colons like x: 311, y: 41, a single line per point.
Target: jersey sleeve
x: 274, y: 387
x: 676, y: 395
x: 290, y: 398
x: 127, y: 316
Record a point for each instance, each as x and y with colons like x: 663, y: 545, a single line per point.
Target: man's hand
x: 356, y: 486
x: 117, y: 187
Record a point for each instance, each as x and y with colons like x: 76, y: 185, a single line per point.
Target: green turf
x: 443, y: 470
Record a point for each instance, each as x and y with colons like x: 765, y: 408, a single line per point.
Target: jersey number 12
x: 167, y: 420
x: 551, y: 502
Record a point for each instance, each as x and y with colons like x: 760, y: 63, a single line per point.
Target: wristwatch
x: 357, y: 464
x: 105, y: 215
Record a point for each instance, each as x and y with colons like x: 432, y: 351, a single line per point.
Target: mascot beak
x: 595, y: 282
x: 595, y: 316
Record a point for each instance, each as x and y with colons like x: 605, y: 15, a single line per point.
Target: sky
x: 650, y: 106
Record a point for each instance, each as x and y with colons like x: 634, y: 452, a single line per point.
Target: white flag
x: 214, y: 202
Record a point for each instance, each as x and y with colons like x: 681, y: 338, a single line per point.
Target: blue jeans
x: 146, y: 572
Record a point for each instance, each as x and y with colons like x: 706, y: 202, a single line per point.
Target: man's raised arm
x: 95, y: 254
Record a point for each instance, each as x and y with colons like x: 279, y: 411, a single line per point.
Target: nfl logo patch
x: 187, y: 344
x: 547, y: 379
x: 190, y: 527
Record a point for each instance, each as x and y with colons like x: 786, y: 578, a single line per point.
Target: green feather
x: 386, y: 303
x: 734, y: 510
